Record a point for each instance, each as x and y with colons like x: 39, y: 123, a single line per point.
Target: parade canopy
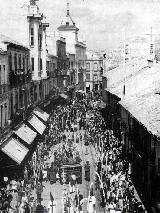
x: 26, y: 133
x: 41, y: 114
x: 63, y: 96
x: 37, y: 124
x: 14, y: 149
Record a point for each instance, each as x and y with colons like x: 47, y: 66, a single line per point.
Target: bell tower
x: 69, y: 31
x: 35, y: 18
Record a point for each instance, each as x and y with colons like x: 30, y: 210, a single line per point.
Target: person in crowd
x: 39, y: 190
x: 72, y: 183
x: 78, y: 200
x: 91, y: 207
x: 87, y: 171
x: 52, y: 173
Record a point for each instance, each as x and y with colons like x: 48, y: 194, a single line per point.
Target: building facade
x: 80, y: 65
x: 15, y: 83
x: 4, y: 85
x: 94, y: 72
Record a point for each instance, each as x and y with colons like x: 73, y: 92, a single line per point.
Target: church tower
x: 37, y: 41
x: 69, y: 31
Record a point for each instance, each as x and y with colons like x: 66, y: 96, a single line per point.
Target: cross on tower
x: 67, y: 7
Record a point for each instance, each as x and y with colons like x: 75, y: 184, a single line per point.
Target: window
x: 6, y: 113
x: 23, y: 62
x: 32, y: 64
x: 88, y: 76
x: 10, y: 61
x: 54, y: 66
x: 15, y: 61
x: 41, y: 64
x: 95, y: 66
x: 32, y: 36
x: 19, y: 61
x: 88, y: 66
x: 95, y: 78
x: 71, y: 64
x: 4, y: 74
x: 0, y: 76
x: 1, y: 115
x: 40, y: 40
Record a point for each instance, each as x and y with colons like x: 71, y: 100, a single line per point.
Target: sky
x: 101, y: 23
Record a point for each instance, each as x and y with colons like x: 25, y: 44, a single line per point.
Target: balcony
x: 19, y: 78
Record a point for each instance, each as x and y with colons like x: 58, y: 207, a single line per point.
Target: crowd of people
x: 112, y: 172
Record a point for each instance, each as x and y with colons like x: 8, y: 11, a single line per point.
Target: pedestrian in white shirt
x: 91, y: 203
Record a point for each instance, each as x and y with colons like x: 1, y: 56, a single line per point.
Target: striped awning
x: 14, y: 149
x: 41, y: 114
x: 26, y: 133
x: 37, y: 124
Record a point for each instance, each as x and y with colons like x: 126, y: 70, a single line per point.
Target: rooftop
x: 7, y: 40
x: 136, y: 75
x: 67, y: 27
x: 67, y: 23
x: 146, y: 110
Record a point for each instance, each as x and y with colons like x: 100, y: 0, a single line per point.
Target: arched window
x: 95, y: 66
x: 88, y: 66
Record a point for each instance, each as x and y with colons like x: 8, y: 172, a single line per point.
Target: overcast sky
x: 101, y: 22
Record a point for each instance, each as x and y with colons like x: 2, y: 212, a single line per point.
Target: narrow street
x: 87, y: 153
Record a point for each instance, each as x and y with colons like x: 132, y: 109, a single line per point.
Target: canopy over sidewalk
x: 14, y: 149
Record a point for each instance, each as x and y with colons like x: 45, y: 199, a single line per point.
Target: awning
x: 41, y: 114
x: 14, y: 149
x: 63, y: 96
x: 26, y: 133
x: 37, y: 124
